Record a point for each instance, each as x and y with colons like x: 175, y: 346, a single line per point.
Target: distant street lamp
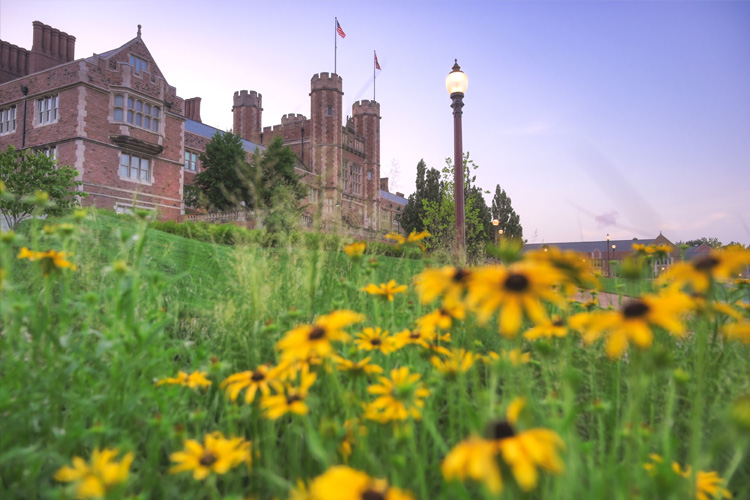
x: 495, y: 223
x: 607, y: 254
x: 456, y: 84
x: 613, y: 251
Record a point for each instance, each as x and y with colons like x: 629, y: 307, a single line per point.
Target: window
x: 48, y: 151
x: 138, y: 63
x: 369, y: 176
x: 7, y: 120
x: 47, y: 109
x: 353, y: 178
x: 191, y: 161
x: 330, y: 110
x: 137, y: 112
x: 313, y: 196
x: 135, y: 168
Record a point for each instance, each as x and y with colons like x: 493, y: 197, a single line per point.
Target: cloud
x: 607, y: 219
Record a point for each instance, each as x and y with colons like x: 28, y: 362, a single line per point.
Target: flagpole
x: 373, y: 74
x: 335, y: 42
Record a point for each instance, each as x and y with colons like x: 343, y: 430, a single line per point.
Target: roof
x: 588, y: 246
x: 392, y: 197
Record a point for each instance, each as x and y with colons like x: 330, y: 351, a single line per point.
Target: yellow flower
x: 574, y: 268
x: 399, y: 397
x: 263, y: 378
x: 357, y: 367
x: 515, y: 356
x: 96, y: 479
x: 737, y: 331
x: 344, y: 483
x: 291, y: 399
x: 375, y: 339
x: 441, y: 318
x: 51, y: 260
x: 514, y: 290
x: 448, y: 283
x: 474, y: 459
x: 308, y: 340
x: 218, y: 454
x: 353, y: 427
x: 194, y: 380
x: 414, y: 239
x: 548, y: 329
x: 355, y: 250
x: 635, y: 321
x: 700, y: 273
x: 458, y: 361
x: 385, y: 290
x: 708, y: 486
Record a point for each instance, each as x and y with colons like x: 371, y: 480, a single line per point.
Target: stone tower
x: 366, y: 116
x: 326, y: 96
x: 248, y: 112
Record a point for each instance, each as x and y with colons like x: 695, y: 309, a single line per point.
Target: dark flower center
x: 460, y: 275
x: 415, y: 335
x: 500, y: 430
x: 207, y: 459
x: 257, y: 376
x: 706, y: 263
x: 316, y: 333
x: 372, y: 495
x: 375, y: 341
x: 293, y: 398
x: 444, y: 312
x: 558, y: 322
x: 516, y: 282
x: 636, y: 309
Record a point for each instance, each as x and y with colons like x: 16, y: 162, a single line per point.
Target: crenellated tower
x: 366, y: 114
x: 326, y: 96
x: 248, y: 113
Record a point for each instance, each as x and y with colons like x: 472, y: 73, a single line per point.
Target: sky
x: 596, y: 117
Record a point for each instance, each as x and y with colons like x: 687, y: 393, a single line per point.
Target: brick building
x: 135, y: 142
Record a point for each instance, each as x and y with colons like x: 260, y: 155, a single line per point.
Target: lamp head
x: 457, y: 81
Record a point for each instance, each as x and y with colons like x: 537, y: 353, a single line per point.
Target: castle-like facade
x: 135, y: 142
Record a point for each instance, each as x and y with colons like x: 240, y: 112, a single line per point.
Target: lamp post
x: 613, y: 251
x: 607, y: 255
x: 495, y: 223
x: 456, y: 84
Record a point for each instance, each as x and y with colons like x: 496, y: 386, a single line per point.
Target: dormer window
x: 138, y: 64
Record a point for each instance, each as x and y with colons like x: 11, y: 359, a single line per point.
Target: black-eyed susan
x: 50, y: 261
x: 737, y: 331
x: 554, y: 328
x: 356, y: 368
x: 700, y: 273
x: 634, y: 323
x: 474, y: 459
x: 352, y: 429
x: 262, y: 378
x: 194, y: 380
x: 341, y: 482
x: 514, y: 291
x: 375, y: 339
x: 515, y: 356
x: 457, y: 361
x: 442, y: 318
x: 400, y: 396
x: 216, y: 455
x: 291, y: 399
x: 709, y: 485
x: 103, y: 474
x: 574, y: 267
x: 355, y: 250
x: 386, y: 291
x: 414, y: 239
x: 315, y: 340
x: 448, y: 282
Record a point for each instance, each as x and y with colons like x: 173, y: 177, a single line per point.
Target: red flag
x: 377, y: 65
x: 339, y: 30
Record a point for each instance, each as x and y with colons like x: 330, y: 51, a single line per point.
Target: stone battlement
x: 292, y: 118
x: 327, y: 81
x: 366, y: 107
x: 245, y: 98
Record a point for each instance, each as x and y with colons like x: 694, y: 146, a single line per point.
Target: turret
x: 248, y: 112
x: 326, y: 96
x: 366, y: 114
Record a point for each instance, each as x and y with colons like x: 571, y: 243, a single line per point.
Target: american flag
x: 377, y: 64
x: 339, y: 30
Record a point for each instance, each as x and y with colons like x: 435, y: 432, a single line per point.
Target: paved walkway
x: 605, y: 299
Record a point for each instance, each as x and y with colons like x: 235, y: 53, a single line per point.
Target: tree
x: 228, y: 179
x: 24, y: 173
x: 429, y: 190
x: 277, y: 165
x: 502, y: 210
x: 712, y: 242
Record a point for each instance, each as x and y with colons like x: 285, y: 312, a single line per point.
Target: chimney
x: 50, y: 47
x: 401, y: 195
x: 384, y: 183
x: 193, y: 109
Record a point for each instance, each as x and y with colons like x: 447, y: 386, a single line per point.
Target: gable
x: 134, y: 53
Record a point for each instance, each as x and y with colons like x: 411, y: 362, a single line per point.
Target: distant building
x: 115, y: 118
